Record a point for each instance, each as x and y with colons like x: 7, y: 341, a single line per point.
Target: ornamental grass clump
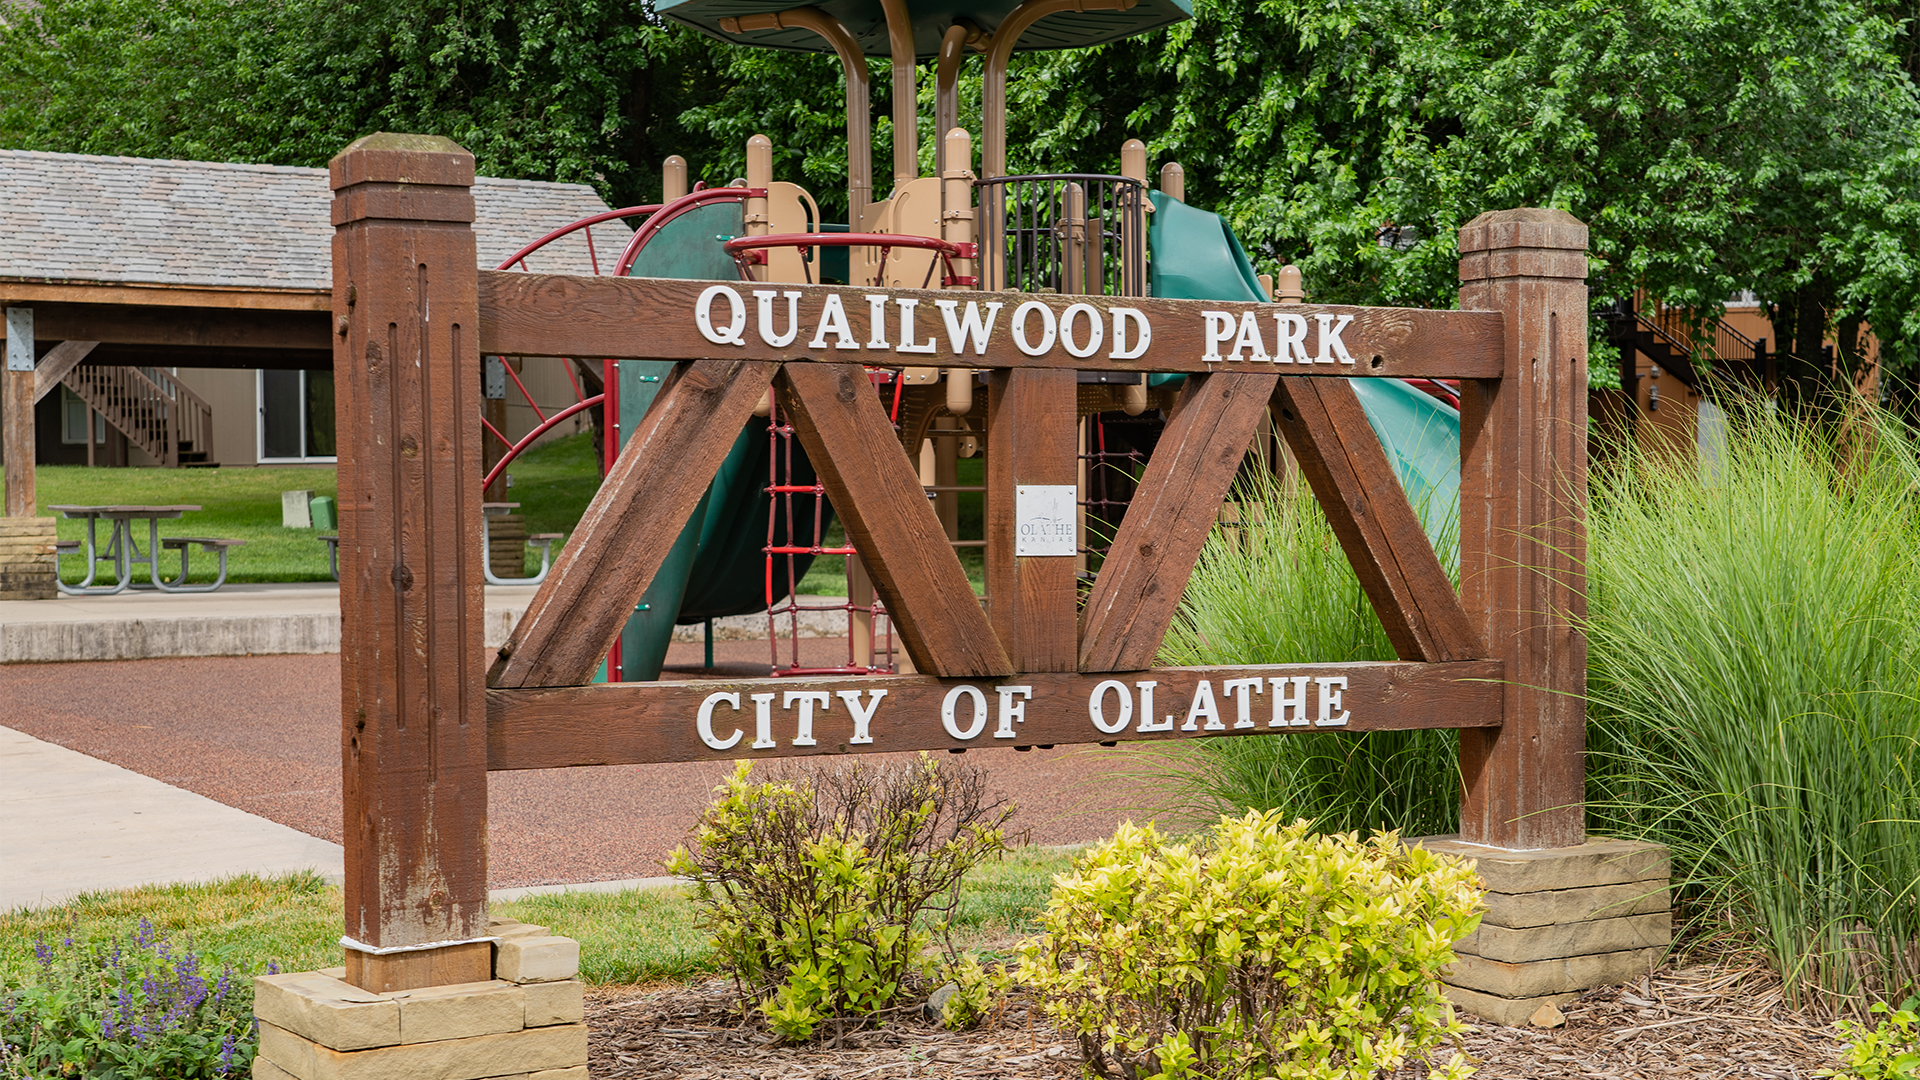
x: 1264, y: 950
x: 1754, y: 682
x: 1278, y: 589
x: 125, y: 1007
x: 824, y: 888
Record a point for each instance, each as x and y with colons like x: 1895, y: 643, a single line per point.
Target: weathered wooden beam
x: 54, y: 366
x: 413, y: 742
x: 559, y: 315
x: 1348, y: 470
x: 727, y: 720
x: 16, y: 413
x: 872, y: 486
x: 185, y: 327
x: 1523, y: 482
x: 632, y: 522
x: 18, y: 293
x: 1031, y: 442
x: 1139, y: 586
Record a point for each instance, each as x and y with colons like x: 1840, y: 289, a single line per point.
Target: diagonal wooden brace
x: 1348, y: 470
x: 873, y: 488
x: 633, y: 520
x: 1139, y: 586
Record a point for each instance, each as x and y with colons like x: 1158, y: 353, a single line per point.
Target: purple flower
x: 227, y: 1048
x: 45, y: 954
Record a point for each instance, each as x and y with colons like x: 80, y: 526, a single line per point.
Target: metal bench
x: 542, y: 541
x: 184, y: 545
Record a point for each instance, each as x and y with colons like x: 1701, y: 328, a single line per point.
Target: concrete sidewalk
x: 238, y: 620
x: 72, y: 824
x: 272, y: 620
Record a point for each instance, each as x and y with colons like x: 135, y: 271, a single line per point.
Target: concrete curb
x: 267, y: 621
x: 217, y: 635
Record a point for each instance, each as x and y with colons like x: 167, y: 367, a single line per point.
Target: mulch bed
x: 1706, y: 1022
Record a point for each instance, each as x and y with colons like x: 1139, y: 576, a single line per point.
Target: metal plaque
x: 1045, y: 517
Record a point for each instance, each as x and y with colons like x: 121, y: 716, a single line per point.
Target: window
x: 296, y: 416
x: 73, y: 420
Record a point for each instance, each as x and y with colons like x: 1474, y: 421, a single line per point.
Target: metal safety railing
x: 1082, y: 233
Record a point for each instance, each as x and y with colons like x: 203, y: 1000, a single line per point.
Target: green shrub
x: 1267, y: 952
x: 1278, y: 589
x: 126, y: 1007
x: 1889, y: 1050
x: 1754, y: 690
x: 824, y: 887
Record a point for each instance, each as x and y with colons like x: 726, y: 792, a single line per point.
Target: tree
x: 1711, y: 147
x: 572, y: 90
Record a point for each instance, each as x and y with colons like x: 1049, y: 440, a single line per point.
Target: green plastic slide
x: 716, y: 566
x: 1195, y: 256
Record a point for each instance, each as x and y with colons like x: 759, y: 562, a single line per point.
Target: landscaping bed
x: 1721, y: 1020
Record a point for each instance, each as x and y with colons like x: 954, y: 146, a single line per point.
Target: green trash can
x: 322, y: 509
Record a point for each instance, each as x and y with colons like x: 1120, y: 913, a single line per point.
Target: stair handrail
x: 172, y: 410
x: 192, y: 423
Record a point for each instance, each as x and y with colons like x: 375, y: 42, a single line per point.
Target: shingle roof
x: 81, y: 217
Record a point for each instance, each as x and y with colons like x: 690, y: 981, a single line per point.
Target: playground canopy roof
x: 865, y: 20
x: 216, y: 264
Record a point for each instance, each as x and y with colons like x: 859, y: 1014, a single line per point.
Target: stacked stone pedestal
x: 507, y: 545
x: 527, y: 1023
x: 26, y: 558
x: 1559, y: 922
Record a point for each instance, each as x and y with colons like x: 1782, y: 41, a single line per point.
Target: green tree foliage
x: 1713, y: 147
x: 574, y: 90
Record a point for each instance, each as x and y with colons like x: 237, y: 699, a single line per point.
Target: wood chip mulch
x: 1708, y: 1022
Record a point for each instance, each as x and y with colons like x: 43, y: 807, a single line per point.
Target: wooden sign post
x: 1501, y: 658
x: 16, y: 412
x: 1523, y: 528
x: 412, y: 678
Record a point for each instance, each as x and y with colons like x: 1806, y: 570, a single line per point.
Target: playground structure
x: 1016, y: 327
x: 1062, y: 234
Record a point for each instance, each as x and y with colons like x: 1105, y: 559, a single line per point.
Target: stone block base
x: 1558, y: 922
x: 526, y: 1023
x: 26, y: 558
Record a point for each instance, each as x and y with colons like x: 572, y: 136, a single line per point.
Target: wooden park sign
x: 426, y: 714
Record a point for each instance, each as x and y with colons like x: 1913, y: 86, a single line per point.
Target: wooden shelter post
x: 412, y: 677
x: 1523, y: 478
x: 16, y: 413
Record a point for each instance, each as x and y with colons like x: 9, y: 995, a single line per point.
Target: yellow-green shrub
x: 1267, y: 951
x: 1890, y: 1050
x: 823, y: 886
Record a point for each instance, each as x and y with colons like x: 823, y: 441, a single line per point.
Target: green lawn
x: 236, y: 504
x: 552, y: 483
x: 627, y: 937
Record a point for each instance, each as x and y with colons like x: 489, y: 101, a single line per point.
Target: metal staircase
x: 156, y: 412
x: 1674, y: 344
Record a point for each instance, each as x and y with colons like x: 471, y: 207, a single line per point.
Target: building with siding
x: 206, y: 286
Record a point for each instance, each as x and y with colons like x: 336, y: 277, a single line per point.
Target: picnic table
x: 543, y: 542
x: 123, y: 549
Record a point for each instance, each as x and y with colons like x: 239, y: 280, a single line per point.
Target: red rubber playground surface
x: 262, y: 734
